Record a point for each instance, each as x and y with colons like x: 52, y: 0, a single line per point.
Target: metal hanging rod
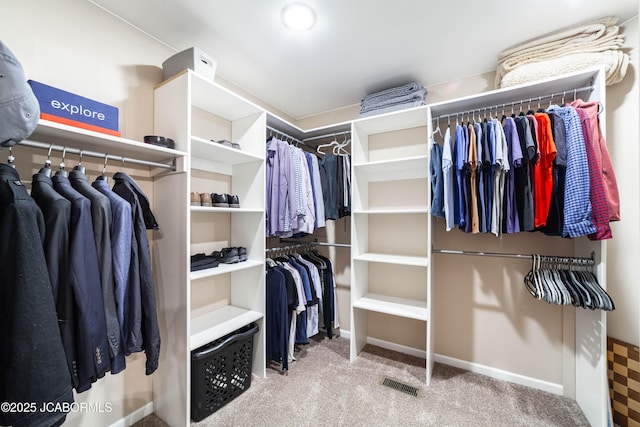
x: 105, y: 156
x: 520, y: 102
x: 279, y: 132
x: 334, y: 134
x: 587, y: 261
x: 290, y: 248
x: 315, y: 242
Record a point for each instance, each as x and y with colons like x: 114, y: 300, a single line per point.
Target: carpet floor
x: 323, y: 388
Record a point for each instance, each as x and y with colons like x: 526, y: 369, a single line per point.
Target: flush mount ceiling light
x: 298, y: 17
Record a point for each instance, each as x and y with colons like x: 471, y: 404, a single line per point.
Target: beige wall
x: 73, y: 45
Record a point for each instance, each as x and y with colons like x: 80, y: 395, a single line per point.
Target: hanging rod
x: 289, y: 248
x: 42, y: 145
x: 588, y: 261
x: 518, y: 102
x: 334, y: 134
x: 279, y: 132
x: 315, y: 242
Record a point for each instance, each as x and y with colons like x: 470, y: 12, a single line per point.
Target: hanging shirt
x: 448, y: 179
x: 461, y: 159
x: 602, y: 157
x: 514, y: 156
x: 543, y: 170
x: 524, y: 198
x: 577, y: 203
x: 501, y: 168
x: 600, y: 208
x: 437, y: 184
x: 473, y: 178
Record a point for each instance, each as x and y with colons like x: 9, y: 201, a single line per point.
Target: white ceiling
x: 357, y: 46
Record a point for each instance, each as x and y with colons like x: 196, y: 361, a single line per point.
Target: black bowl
x: 161, y: 141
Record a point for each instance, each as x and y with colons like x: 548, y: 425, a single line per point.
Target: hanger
x: 330, y: 144
x: 46, y: 169
x: 436, y: 131
x: 61, y: 170
x: 104, y: 176
x: 11, y: 160
x: 79, y: 167
x: 339, y: 150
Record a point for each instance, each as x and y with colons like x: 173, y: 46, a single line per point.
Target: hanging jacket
x: 34, y: 367
x: 143, y: 219
x: 57, y: 216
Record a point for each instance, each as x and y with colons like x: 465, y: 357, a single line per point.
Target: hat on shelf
x: 19, y: 108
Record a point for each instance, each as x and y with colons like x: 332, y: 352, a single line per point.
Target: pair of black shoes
x: 203, y: 262
x: 225, y: 200
x: 230, y: 255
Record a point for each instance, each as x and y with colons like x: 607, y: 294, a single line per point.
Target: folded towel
x: 393, y: 92
x: 414, y: 96
x: 394, y: 107
x: 615, y: 66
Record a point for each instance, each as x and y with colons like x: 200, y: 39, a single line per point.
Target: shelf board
x: 394, y: 170
x: 213, y: 151
x: 402, y: 307
x: 226, y: 210
x: 417, y: 261
x: 389, y: 122
x: 64, y: 135
x: 388, y: 211
x: 224, y: 269
x: 218, y: 323
x: 210, y: 96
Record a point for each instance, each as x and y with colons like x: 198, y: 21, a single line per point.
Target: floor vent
x: 397, y: 385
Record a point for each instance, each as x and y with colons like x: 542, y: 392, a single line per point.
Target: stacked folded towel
x: 396, y: 98
x: 596, y: 43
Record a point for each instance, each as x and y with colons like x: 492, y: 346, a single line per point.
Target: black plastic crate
x: 221, y: 371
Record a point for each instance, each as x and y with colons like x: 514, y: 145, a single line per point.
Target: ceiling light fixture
x: 298, y: 17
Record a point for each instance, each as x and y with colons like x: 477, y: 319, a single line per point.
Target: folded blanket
x: 394, y: 107
x: 597, y: 43
x: 393, y: 92
x: 414, y: 96
x: 615, y: 66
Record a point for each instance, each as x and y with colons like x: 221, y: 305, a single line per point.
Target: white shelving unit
x: 382, y: 154
x: 202, y: 306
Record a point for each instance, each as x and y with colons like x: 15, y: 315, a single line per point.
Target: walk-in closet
x: 391, y: 229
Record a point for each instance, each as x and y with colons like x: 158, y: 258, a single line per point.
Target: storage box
x: 192, y: 58
x: 221, y: 371
x: 68, y: 108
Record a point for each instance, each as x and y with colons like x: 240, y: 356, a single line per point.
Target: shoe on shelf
x: 242, y: 253
x: 195, y: 199
x: 202, y: 262
x: 236, y: 145
x: 226, y: 255
x: 225, y: 142
x: 220, y: 200
x: 205, y: 199
x: 233, y: 200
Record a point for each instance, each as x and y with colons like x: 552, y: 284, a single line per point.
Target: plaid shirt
x: 577, y: 192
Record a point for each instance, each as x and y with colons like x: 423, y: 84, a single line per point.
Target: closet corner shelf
x: 226, y: 210
x: 417, y: 261
x: 224, y: 269
x: 64, y: 135
x: 402, y: 307
x: 396, y: 169
x: 218, y: 323
x: 209, y: 150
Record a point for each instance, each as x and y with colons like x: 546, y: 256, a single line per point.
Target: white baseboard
x: 473, y: 367
x: 135, y: 416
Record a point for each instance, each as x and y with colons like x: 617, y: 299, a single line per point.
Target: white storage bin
x: 192, y: 58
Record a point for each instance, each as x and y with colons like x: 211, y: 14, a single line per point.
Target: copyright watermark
x: 52, y: 407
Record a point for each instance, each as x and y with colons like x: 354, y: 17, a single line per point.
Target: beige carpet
x: 324, y: 389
